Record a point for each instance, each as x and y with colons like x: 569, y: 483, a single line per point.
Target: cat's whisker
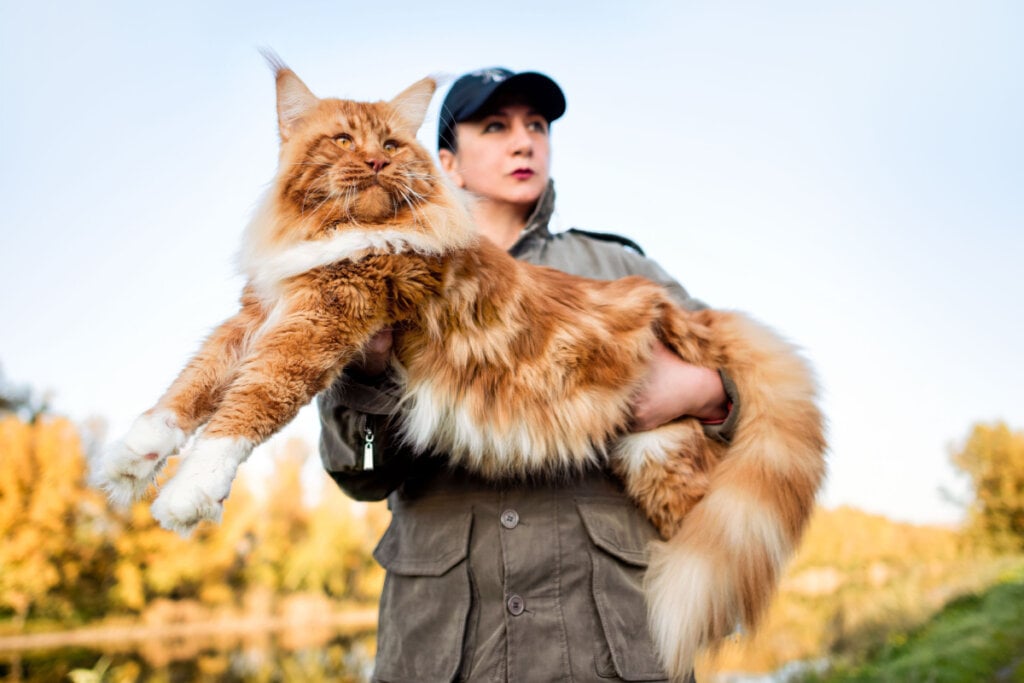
x: 412, y: 192
x: 305, y: 162
x: 336, y: 201
x: 412, y: 209
x: 318, y: 206
x: 348, y: 204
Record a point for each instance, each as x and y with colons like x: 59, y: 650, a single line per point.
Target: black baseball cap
x: 471, y: 92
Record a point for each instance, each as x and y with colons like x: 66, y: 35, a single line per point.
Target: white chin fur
x: 197, y: 491
x: 129, y: 465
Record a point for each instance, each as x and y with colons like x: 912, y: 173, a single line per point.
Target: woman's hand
x: 674, y: 388
x: 376, y: 355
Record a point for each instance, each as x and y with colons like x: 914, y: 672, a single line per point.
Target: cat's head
x: 351, y: 163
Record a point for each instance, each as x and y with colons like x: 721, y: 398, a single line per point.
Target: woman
x: 537, y: 581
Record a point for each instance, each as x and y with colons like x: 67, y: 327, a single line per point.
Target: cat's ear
x: 294, y: 99
x: 411, y: 104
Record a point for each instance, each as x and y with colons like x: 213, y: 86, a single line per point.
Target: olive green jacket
x: 513, y: 582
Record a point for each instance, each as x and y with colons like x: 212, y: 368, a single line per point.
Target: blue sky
x: 850, y: 173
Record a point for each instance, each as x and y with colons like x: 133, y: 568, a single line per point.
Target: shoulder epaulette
x: 610, y: 237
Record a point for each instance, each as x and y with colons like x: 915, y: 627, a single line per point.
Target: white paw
x: 129, y: 465
x: 197, y: 491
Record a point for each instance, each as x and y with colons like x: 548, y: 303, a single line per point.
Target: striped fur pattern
x: 513, y: 369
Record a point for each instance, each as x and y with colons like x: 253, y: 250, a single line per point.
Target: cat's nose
x: 377, y: 164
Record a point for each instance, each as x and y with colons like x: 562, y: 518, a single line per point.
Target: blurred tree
x: 333, y: 556
x: 152, y: 562
x: 284, y: 521
x: 993, y: 460
x: 20, y: 400
x: 67, y: 555
x: 51, y: 522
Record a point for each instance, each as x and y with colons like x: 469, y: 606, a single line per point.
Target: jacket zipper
x: 368, y: 437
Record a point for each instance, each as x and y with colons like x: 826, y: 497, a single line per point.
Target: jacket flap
x: 424, y: 542
x: 617, y: 528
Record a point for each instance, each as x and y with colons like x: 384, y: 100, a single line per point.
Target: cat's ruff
x: 510, y: 369
x: 267, y: 271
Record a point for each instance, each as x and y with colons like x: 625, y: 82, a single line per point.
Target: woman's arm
x: 356, y: 447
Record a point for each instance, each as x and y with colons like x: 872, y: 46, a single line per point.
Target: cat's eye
x: 345, y: 141
x: 390, y: 146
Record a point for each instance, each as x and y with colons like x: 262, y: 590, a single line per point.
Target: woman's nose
x: 522, y: 142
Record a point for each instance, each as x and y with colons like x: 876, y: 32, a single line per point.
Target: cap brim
x: 536, y: 89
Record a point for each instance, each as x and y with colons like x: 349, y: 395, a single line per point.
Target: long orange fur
x: 510, y: 368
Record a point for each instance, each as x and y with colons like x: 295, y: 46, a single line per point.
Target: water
x: 790, y: 671
x: 265, y: 657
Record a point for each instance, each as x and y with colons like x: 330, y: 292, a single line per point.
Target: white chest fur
x: 266, y: 268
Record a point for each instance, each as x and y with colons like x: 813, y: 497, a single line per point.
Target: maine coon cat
x: 510, y: 368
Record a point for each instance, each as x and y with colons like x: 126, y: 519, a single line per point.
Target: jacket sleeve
x: 353, y: 413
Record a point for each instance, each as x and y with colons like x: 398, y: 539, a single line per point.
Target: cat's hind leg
x: 666, y: 470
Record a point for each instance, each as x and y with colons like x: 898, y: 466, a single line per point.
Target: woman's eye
x: 345, y: 141
x: 494, y: 127
x: 390, y: 146
x: 538, y: 126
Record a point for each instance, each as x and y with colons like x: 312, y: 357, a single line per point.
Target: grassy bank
x: 976, y: 637
x: 859, y: 586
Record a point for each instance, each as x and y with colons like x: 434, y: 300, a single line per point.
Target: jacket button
x: 510, y: 519
x: 516, y: 605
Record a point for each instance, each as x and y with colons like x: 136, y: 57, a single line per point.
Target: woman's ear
x: 450, y: 165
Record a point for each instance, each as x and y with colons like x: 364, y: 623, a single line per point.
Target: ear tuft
x: 294, y: 99
x: 411, y: 104
x: 274, y: 61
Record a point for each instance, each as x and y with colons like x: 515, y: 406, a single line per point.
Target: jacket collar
x: 536, y: 229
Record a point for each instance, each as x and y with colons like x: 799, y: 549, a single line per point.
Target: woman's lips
x: 522, y: 174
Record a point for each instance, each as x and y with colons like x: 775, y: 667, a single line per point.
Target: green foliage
x: 857, y: 580
x: 993, y: 460
x: 977, y: 637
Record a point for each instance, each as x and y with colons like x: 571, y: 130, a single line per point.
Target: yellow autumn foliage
x: 992, y: 458
x: 67, y: 555
x: 49, y: 520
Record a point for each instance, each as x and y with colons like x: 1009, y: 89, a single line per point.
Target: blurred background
x: 849, y: 173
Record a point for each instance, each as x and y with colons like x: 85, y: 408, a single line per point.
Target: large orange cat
x: 510, y: 368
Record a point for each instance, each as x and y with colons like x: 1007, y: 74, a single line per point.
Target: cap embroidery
x: 495, y: 75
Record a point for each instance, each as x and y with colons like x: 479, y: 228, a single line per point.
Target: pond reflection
x: 267, y: 657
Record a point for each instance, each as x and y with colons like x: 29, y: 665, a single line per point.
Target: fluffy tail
x: 722, y: 567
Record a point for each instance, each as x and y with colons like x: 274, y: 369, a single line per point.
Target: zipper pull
x: 367, y: 448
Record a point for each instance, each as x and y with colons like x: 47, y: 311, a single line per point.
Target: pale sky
x: 850, y: 173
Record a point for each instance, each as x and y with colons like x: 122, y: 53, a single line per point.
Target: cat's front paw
x: 129, y: 465
x: 197, y: 491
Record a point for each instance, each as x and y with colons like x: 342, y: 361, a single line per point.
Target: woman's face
x: 503, y: 157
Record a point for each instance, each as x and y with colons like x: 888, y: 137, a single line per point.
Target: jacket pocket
x: 620, y: 537
x: 426, y: 596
